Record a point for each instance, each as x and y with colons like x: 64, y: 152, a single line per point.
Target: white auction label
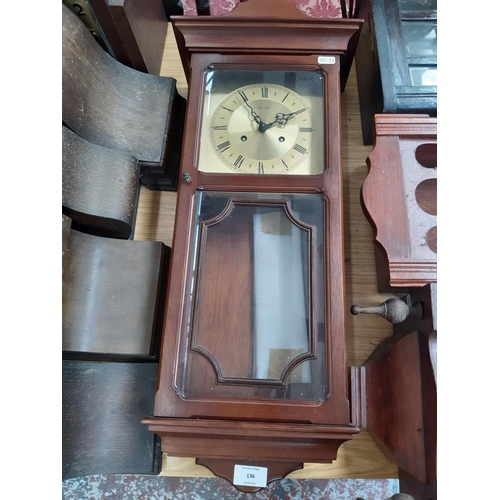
x: 248, y: 475
x: 326, y: 60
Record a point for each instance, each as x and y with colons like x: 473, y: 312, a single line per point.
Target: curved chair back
x: 100, y: 187
x: 116, y: 107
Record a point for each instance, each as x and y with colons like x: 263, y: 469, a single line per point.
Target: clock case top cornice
x: 264, y: 27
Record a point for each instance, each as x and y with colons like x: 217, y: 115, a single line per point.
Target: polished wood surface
x: 225, y: 469
x: 272, y: 424
x: 359, y: 458
x: 113, y: 294
x: 392, y: 401
x: 142, y: 25
x: 265, y: 28
x: 226, y: 252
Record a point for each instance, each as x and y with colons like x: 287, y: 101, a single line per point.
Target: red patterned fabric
x: 217, y: 7
x: 321, y: 8
x: 221, y: 7
x: 312, y: 8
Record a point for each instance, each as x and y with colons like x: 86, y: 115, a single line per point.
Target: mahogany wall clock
x: 254, y: 366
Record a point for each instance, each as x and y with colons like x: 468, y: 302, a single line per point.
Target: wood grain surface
x: 113, y: 297
x: 99, y: 187
x: 117, y: 107
x: 359, y: 458
x: 102, y: 407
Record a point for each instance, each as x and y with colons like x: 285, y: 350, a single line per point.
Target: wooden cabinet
x: 394, y: 394
x: 396, y: 59
x: 254, y: 365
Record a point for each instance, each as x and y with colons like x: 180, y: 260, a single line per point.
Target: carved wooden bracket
x: 399, y: 198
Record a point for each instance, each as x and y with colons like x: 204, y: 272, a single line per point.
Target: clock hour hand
x: 281, y: 119
x: 255, y: 116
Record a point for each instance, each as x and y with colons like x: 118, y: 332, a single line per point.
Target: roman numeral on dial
x: 238, y: 161
x: 222, y: 147
x: 300, y: 149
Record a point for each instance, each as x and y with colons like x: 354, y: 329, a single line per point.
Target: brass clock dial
x: 271, y: 125
x: 262, y: 129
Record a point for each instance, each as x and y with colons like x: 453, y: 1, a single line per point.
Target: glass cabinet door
x: 419, y: 40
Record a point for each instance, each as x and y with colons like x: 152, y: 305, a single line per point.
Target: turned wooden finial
x: 393, y: 310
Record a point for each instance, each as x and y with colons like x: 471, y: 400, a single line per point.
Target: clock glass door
x: 254, y: 325
x: 262, y: 122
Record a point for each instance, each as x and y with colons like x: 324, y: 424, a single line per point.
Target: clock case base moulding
x: 281, y: 447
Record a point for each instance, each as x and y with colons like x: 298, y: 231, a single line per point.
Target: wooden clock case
x: 222, y: 431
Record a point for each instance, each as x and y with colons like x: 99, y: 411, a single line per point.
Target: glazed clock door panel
x: 262, y: 122
x: 255, y: 321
